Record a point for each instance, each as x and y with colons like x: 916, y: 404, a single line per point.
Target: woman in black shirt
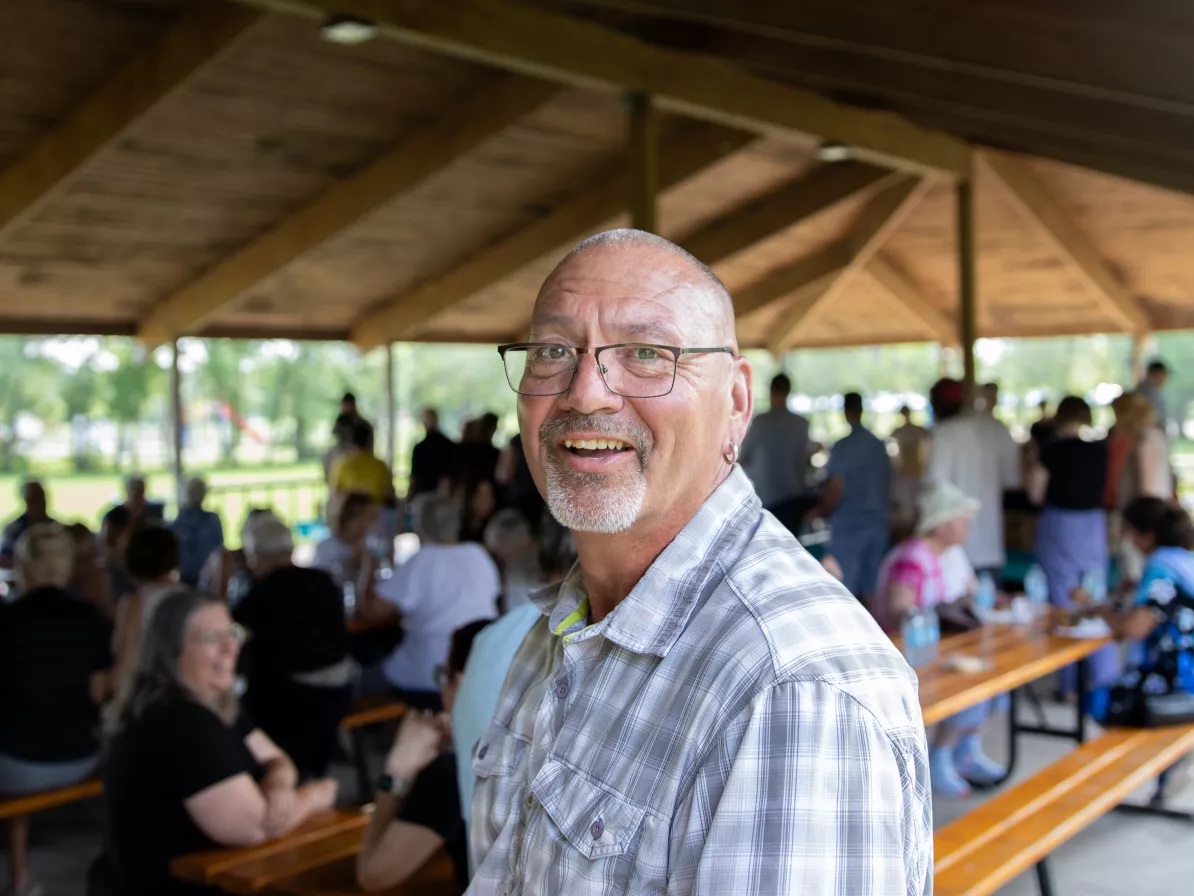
x: 53, y: 660
x: 1071, y: 532
x: 186, y: 769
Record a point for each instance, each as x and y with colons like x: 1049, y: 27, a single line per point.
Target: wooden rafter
x: 881, y: 215
x: 205, y: 32
x: 1025, y: 192
x: 813, y: 193
x: 682, y: 155
x: 578, y: 52
x: 797, y: 276
x: 897, y: 284
x: 457, y: 131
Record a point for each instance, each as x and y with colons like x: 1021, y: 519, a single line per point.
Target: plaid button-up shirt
x: 738, y: 725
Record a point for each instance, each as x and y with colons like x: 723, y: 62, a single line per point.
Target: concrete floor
x: 1120, y: 855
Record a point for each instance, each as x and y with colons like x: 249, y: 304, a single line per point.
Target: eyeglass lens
x: 633, y: 371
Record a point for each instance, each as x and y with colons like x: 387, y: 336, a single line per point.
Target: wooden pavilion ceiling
x: 170, y: 167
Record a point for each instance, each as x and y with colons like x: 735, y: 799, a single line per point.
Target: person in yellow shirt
x: 360, y: 470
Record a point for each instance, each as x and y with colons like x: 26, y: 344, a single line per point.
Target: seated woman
x: 151, y: 560
x: 187, y: 770
x: 299, y: 673
x: 87, y: 578
x: 1161, y: 615
x: 918, y: 573
x: 418, y: 806
x: 53, y: 659
x: 343, y: 555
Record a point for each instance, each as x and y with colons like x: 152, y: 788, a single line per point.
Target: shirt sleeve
x: 401, y: 588
x: 434, y: 800
x: 906, y: 571
x: 205, y: 750
x: 807, y: 793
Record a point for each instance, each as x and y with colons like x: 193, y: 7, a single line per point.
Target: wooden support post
x: 176, y: 423
x: 642, y: 144
x: 1142, y: 347
x: 391, y: 410
x: 967, y: 310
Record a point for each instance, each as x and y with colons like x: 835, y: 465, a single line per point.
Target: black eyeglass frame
x: 676, y: 350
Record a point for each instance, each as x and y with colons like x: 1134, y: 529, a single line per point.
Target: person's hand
x: 280, y: 805
x: 418, y: 743
x: 1080, y: 597
x: 321, y: 794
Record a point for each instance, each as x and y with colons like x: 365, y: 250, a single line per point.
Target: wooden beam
x: 579, y: 52
x: 458, y: 130
x: 1024, y: 191
x: 896, y: 283
x: 967, y: 288
x: 796, y: 276
x: 684, y: 153
x: 813, y: 193
x: 642, y: 147
x: 207, y: 30
x: 881, y: 215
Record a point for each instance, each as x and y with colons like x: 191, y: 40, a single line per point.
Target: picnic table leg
x: 1013, y: 739
x: 360, y: 763
x: 1083, y: 687
x: 1043, y: 881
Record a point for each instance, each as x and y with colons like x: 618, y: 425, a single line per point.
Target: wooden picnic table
x: 1017, y: 655
x: 436, y: 878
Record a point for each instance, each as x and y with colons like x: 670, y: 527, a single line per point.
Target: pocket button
x: 597, y: 829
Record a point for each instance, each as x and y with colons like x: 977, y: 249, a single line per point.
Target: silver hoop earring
x: 731, y: 456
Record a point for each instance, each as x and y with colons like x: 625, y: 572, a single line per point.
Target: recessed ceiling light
x: 833, y: 152
x: 348, y: 30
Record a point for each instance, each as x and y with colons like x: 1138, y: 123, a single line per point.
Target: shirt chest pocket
x: 594, y: 820
x: 498, y: 763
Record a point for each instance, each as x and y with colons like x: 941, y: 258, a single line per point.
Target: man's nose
x: 588, y: 393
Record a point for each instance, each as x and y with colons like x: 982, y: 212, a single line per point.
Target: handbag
x: 1131, y: 707
x: 956, y: 618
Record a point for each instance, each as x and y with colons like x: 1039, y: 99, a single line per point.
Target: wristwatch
x: 396, y: 786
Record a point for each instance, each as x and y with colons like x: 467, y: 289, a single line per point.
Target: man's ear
x: 741, y: 398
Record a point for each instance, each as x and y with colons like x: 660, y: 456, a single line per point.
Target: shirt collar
x: 650, y: 619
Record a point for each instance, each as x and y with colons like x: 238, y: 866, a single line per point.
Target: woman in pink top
x: 921, y: 572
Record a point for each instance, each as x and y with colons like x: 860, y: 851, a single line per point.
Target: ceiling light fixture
x: 348, y: 30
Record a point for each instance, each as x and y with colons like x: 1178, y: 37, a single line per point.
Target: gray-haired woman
x: 186, y: 769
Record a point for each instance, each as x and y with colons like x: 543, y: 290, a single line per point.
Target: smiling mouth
x: 596, y: 447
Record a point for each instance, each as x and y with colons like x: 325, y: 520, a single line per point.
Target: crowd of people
x: 601, y: 623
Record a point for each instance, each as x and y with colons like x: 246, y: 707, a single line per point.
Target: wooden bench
x: 364, y: 712
x: 208, y: 866
x: 1016, y: 830
x: 21, y: 806
x: 436, y: 878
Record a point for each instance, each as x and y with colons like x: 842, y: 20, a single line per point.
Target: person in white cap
x: 928, y: 569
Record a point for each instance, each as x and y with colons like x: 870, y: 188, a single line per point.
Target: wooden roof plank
x: 203, y: 34
x: 562, y: 47
x: 881, y: 215
x: 896, y: 283
x: 798, y: 200
x: 1025, y: 192
x: 683, y: 154
x: 458, y: 130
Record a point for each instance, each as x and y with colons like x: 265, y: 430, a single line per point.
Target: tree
x: 129, y: 385
x: 80, y: 395
x: 223, y: 377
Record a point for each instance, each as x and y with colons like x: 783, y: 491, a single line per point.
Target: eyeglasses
x: 443, y: 677
x: 216, y: 637
x: 629, y: 369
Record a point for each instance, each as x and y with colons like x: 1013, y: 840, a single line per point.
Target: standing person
x: 36, y: 512
x: 300, y: 674
x: 1071, y: 532
x: 342, y: 431
x: 775, y: 456
x: 1152, y: 387
x: 858, y: 482
x: 348, y: 405
x: 444, y: 586
x: 976, y: 453
x: 199, y: 532
x: 912, y: 457
x: 1041, y: 431
x: 360, y: 470
x: 114, y: 533
x: 141, y: 509
x: 513, y: 476
x: 988, y: 396
x: 433, y: 459
x: 87, y: 578
x: 703, y: 709
x: 186, y: 769
x: 54, y: 659
x: 925, y: 571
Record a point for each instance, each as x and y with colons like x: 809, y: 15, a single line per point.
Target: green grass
x: 232, y: 492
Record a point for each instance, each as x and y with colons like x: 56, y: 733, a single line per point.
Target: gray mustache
x: 636, y: 434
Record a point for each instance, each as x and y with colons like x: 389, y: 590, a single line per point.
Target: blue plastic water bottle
x: 984, y: 597
x: 1036, y: 588
x: 933, y: 629
x: 1095, y: 584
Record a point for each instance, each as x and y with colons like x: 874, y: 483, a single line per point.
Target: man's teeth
x: 596, y: 444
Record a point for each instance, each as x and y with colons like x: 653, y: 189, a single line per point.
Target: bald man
x: 701, y: 709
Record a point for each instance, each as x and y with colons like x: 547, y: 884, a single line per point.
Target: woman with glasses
x: 187, y: 770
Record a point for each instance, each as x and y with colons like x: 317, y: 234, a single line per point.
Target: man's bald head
x: 718, y: 305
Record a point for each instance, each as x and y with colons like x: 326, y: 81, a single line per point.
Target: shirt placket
x: 561, y: 688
